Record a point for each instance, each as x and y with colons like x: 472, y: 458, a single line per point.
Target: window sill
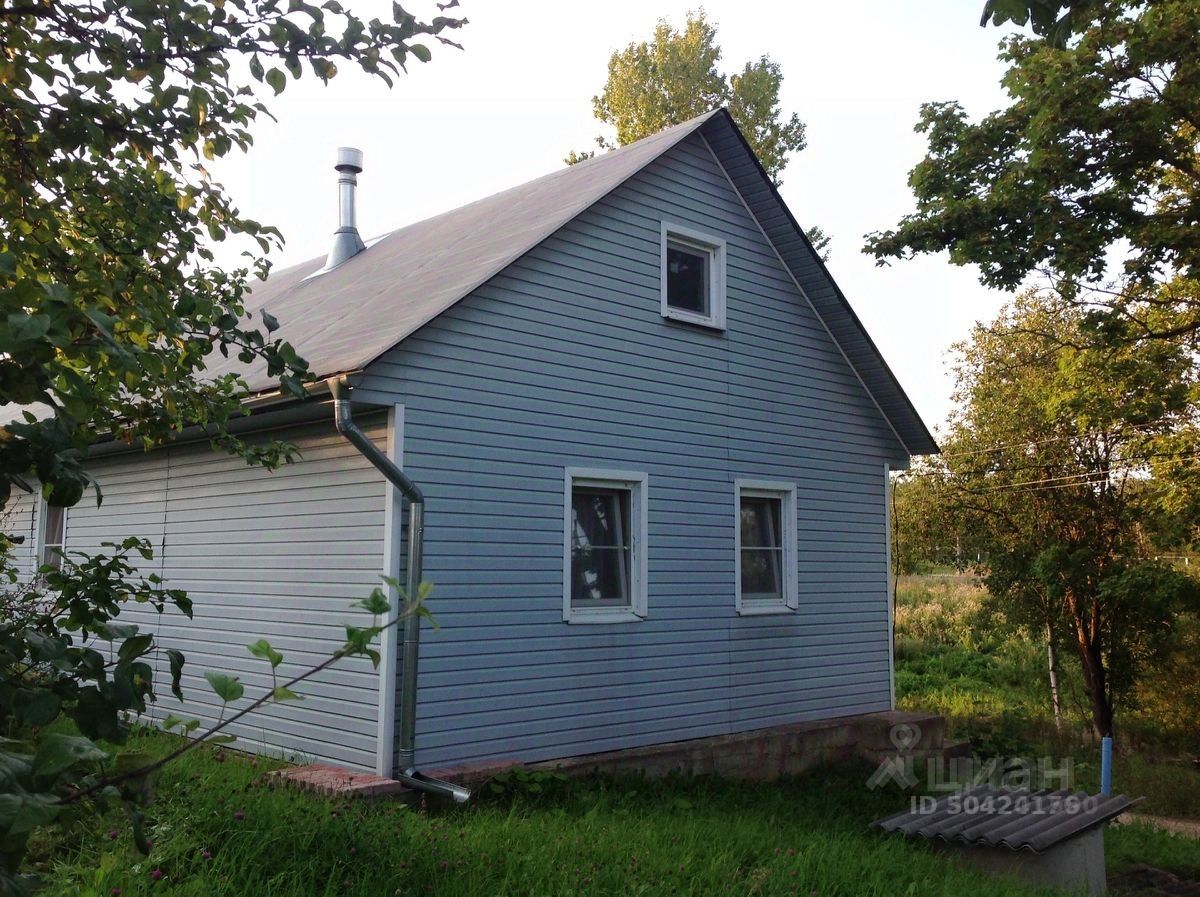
x: 764, y: 610
x: 687, y: 317
x: 623, y: 615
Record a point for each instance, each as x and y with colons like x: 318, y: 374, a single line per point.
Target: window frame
x: 636, y: 483
x: 43, y: 515
x: 701, y: 242
x: 785, y: 492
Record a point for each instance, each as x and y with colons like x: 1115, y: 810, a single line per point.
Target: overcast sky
x: 517, y: 98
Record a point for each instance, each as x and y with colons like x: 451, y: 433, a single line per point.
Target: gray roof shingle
x: 344, y: 319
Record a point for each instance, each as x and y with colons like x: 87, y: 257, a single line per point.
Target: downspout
x: 408, y: 775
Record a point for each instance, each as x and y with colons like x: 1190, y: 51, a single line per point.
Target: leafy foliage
x: 1056, y: 469
x: 113, y: 315
x: 1052, y: 19
x: 674, y: 77
x: 63, y: 652
x: 112, y: 310
x: 1090, y: 176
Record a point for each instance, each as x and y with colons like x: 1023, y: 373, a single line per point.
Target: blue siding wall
x: 564, y: 360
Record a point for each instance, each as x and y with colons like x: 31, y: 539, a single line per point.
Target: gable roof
x: 344, y: 319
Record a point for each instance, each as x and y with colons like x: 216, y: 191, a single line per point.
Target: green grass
x: 993, y: 688
x: 1126, y: 846
x: 601, y: 837
x: 219, y: 827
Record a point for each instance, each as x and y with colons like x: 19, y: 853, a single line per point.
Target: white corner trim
x: 393, y: 519
x: 704, y: 242
x: 638, y: 483
x: 889, y: 582
x: 789, y: 535
x: 792, y: 277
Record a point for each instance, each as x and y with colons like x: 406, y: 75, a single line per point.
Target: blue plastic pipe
x: 1106, y: 765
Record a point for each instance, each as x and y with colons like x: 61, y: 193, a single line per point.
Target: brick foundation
x: 334, y: 780
x: 760, y: 755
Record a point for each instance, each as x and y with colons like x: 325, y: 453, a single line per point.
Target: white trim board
x: 393, y: 521
x: 690, y: 238
x: 792, y: 277
x: 790, y: 542
x: 638, y: 484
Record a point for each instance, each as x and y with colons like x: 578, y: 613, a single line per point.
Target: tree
x: 1052, y: 19
x: 674, y: 77
x: 1091, y: 176
x: 925, y: 531
x: 1059, y: 460
x: 112, y: 307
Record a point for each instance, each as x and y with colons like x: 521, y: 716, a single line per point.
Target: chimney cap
x: 349, y: 159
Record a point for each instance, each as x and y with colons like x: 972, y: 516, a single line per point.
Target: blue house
x: 652, y: 443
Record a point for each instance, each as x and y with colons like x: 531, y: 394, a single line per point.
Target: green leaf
x: 170, y: 723
x: 135, y: 647
x: 277, y: 80
x: 21, y: 813
x: 221, y: 738
x: 42, y: 648
x: 176, y: 659
x: 376, y: 603
x: 111, y: 631
x: 228, y: 688
x: 262, y: 648
x: 57, y: 753
x: 283, y: 693
x: 95, y: 715
x: 270, y: 321
x: 420, y: 51
x: 36, y: 707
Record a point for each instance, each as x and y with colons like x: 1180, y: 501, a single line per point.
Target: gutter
x: 408, y: 775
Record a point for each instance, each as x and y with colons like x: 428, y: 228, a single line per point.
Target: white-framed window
x: 692, y: 268
x: 604, y: 546
x: 765, y: 536
x: 52, y: 534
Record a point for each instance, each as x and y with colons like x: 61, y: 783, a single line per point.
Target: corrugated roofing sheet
x: 1016, y: 818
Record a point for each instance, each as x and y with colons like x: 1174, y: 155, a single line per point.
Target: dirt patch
x: 1146, y: 881
x: 1187, y: 827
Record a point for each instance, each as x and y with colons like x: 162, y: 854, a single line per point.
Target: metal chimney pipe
x: 349, y: 165
x: 346, y: 241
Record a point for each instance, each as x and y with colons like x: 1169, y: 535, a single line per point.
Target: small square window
x: 53, y: 531
x: 604, y: 539
x: 766, y: 547
x: 687, y: 278
x: 693, y: 277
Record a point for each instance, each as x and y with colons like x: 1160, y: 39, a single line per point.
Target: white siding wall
x: 262, y: 555
x: 19, y: 519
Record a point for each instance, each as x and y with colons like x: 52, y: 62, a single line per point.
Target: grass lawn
x: 218, y: 830
x: 219, y: 827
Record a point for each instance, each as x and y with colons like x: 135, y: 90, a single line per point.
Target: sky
x: 517, y: 98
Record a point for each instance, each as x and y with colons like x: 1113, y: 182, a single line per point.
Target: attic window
x: 693, y: 276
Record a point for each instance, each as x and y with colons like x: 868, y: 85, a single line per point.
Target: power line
x: 1050, y: 439
x: 1012, y: 468
x: 1088, y: 478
